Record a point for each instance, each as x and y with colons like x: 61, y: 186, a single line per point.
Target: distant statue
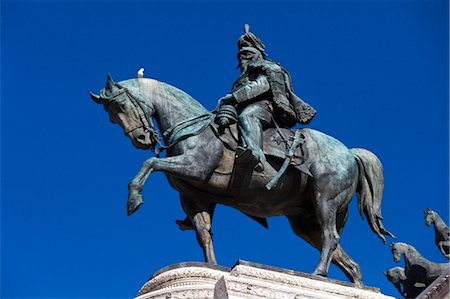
x: 405, y: 287
x: 264, y: 97
x: 316, y: 175
x: 418, y: 270
x: 441, y: 231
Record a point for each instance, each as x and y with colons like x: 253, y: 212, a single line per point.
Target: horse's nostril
x: 141, y: 137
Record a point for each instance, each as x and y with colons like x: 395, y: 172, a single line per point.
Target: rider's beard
x: 243, y: 65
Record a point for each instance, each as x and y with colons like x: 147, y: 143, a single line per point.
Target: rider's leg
x: 252, y: 120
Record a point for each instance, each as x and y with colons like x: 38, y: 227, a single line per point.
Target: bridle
x: 145, y: 123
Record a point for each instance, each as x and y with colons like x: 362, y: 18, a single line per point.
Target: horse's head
x: 129, y: 112
x: 429, y: 216
x: 395, y: 275
x: 397, y: 249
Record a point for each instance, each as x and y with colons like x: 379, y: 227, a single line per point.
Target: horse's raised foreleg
x: 200, y: 213
x: 182, y: 166
x: 444, y: 247
x: 135, y: 187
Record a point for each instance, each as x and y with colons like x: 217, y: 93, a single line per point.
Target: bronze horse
x: 441, y: 231
x: 417, y: 268
x: 199, y: 167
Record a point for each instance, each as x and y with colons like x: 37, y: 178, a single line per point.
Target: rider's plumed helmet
x: 250, y: 40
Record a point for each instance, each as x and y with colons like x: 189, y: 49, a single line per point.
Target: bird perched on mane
x: 140, y: 73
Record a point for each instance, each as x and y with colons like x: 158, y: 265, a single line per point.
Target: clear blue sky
x: 377, y: 72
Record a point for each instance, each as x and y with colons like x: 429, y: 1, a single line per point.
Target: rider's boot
x: 251, y: 152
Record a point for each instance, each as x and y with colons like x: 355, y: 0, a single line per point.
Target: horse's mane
x: 184, y: 97
x: 152, y: 85
x: 411, y: 251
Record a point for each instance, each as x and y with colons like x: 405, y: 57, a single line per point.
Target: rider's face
x: 245, y: 57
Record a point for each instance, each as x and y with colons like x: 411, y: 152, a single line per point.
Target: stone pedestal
x: 247, y: 280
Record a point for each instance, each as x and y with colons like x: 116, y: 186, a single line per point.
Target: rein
x: 171, y: 132
x: 174, y: 130
x: 145, y: 122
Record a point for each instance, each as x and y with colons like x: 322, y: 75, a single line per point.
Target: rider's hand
x: 227, y: 100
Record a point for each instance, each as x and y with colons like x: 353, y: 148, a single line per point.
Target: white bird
x: 140, y: 73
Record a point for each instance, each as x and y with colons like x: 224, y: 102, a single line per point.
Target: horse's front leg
x: 182, y: 166
x: 444, y: 247
x: 135, y: 186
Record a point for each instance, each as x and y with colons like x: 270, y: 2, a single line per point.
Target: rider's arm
x: 252, y: 89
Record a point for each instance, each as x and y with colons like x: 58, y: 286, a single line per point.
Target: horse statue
x: 200, y: 165
x: 441, y: 231
x: 407, y: 288
x: 417, y: 268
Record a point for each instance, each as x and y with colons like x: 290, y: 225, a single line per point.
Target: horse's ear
x: 392, y: 244
x: 109, y: 82
x: 111, y: 86
x: 385, y: 272
x: 96, y: 98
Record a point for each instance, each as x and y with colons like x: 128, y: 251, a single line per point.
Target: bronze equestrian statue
x: 313, y: 190
x: 441, y: 231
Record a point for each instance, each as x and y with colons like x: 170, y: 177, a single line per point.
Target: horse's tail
x: 370, y: 190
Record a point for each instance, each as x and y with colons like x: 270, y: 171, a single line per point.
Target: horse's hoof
x: 319, y: 273
x: 134, y: 204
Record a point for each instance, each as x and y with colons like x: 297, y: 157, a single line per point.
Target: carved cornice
x: 249, y: 281
x: 182, y: 277
x: 184, y: 294
x: 315, y: 287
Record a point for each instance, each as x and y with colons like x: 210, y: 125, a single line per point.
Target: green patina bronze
x: 244, y: 155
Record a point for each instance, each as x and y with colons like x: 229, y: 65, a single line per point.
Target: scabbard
x: 280, y: 172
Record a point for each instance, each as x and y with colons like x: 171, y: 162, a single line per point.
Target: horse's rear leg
x: 325, y: 208
x: 308, y: 229
x: 200, y: 215
x: 347, y: 265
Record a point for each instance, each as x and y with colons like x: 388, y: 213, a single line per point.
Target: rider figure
x: 261, y: 95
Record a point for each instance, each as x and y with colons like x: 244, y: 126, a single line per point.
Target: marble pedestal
x: 246, y: 280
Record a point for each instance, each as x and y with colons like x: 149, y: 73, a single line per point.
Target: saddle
x: 278, y: 143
